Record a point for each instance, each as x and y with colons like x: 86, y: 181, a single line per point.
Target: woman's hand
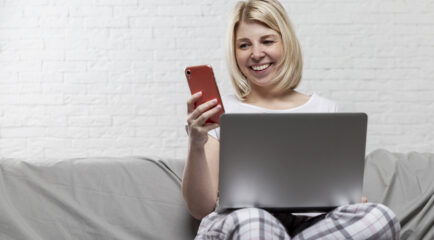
x: 197, y: 127
x: 364, y: 200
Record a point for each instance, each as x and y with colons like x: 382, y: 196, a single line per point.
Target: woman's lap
x: 247, y: 223
x: 357, y: 221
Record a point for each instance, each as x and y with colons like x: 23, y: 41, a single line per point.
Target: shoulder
x: 230, y: 99
x: 322, y: 104
x: 231, y: 103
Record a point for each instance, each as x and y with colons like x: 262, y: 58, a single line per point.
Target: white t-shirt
x: 316, y: 103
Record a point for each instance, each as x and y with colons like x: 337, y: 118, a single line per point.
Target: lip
x: 260, y: 67
x: 261, y: 73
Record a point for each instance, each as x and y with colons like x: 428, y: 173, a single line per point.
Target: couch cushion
x: 93, y: 198
x: 405, y: 183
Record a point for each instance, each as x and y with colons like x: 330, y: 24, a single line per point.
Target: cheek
x: 237, y: 57
x: 241, y: 59
x: 277, y: 52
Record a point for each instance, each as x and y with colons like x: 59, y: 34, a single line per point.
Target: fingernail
x: 219, y: 106
x: 214, y: 100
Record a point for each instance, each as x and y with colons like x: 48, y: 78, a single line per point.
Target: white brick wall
x: 105, y: 77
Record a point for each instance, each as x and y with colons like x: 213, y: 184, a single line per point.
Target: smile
x: 260, y: 67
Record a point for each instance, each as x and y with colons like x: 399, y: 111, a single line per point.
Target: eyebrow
x: 263, y: 37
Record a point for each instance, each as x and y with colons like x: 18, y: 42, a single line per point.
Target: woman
x: 265, y: 65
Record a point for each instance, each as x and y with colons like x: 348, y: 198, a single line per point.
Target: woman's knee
x: 381, y: 211
x: 251, y: 215
x: 378, y: 220
x: 374, y: 212
x: 387, y: 212
x: 256, y: 222
x: 384, y: 219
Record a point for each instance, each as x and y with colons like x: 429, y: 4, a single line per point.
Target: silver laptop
x: 297, y: 162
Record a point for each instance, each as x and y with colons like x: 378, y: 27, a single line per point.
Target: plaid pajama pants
x: 357, y: 221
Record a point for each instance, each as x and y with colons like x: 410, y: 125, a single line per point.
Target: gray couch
x: 140, y: 198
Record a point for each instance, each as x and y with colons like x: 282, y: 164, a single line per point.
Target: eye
x: 243, y: 45
x: 268, y: 42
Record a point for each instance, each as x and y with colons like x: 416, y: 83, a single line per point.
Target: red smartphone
x: 201, y: 78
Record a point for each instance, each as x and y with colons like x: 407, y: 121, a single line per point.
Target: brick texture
x: 83, y: 78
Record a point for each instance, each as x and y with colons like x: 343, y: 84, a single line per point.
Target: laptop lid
x: 298, y: 162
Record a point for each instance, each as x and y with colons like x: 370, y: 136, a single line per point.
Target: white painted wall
x: 85, y: 78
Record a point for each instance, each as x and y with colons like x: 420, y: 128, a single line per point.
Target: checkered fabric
x: 357, y: 221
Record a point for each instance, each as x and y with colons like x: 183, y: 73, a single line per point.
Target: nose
x: 257, y: 52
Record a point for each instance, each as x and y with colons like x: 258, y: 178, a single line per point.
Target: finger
x: 364, y: 200
x: 201, y: 109
x: 211, y: 126
x: 208, y: 114
x: 192, y: 100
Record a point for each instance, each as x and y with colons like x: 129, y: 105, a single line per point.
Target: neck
x: 285, y: 100
x: 266, y: 95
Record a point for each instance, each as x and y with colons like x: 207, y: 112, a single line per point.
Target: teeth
x: 261, y: 67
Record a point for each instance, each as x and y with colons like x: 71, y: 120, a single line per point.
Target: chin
x: 262, y: 82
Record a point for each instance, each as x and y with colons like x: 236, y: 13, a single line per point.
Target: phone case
x: 201, y: 78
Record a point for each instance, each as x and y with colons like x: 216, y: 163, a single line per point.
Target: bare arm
x: 200, y: 180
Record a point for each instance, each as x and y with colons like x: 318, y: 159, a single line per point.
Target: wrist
x: 196, y: 147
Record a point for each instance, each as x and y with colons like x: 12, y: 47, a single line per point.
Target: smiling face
x: 258, y: 51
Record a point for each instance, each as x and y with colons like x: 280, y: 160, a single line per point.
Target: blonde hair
x: 272, y: 14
